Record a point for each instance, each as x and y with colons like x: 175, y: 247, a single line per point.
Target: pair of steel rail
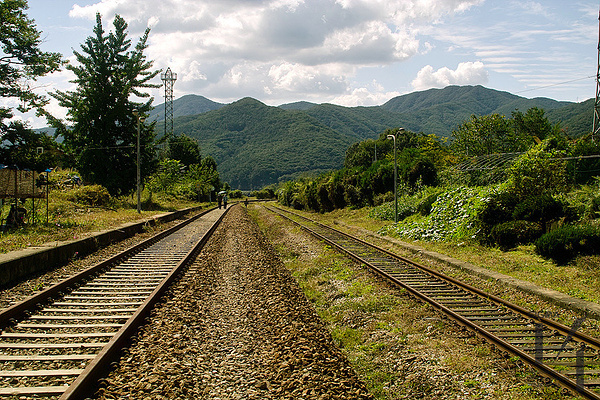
x: 61, y: 341
x: 559, y: 352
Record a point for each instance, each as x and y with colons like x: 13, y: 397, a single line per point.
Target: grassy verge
x: 400, y: 348
x: 70, y: 219
x: 580, y: 278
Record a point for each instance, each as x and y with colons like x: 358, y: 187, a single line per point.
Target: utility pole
x: 169, y: 79
x: 596, y: 125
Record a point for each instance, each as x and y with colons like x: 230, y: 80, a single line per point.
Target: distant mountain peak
x: 189, y: 104
x: 256, y: 144
x: 298, y: 105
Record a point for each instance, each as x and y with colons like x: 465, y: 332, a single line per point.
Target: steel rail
x: 544, y: 370
x: 16, y: 311
x: 144, y: 258
x: 97, y: 367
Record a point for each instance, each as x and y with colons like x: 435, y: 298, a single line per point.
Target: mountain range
x: 256, y: 145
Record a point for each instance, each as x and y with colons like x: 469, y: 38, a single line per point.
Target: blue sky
x: 348, y: 52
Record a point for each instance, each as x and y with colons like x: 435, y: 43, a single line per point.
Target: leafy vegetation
x: 436, y: 202
x: 568, y: 241
x: 74, y: 212
x: 196, y: 182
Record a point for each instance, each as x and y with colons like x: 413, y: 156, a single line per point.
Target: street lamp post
x: 401, y: 130
x: 139, y: 119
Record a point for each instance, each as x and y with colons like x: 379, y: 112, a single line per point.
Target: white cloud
x: 277, y: 49
x: 373, y: 95
x: 312, y: 32
x: 298, y: 78
x: 467, y: 73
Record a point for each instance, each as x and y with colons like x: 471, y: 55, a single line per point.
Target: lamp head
x: 135, y: 112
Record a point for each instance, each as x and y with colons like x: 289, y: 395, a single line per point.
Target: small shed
x: 19, y: 184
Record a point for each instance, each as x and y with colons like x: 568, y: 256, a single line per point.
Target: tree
x: 360, y: 154
x: 21, y: 147
x: 184, y: 149
x: 209, y: 169
x: 531, y: 125
x: 486, y: 134
x: 541, y: 170
x: 21, y: 62
x: 103, y: 135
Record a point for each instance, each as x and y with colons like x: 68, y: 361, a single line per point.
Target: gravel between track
x: 237, y: 326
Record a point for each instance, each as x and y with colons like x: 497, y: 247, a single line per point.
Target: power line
x: 554, y: 84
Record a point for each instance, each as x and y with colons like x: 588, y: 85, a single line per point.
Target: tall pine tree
x: 103, y: 129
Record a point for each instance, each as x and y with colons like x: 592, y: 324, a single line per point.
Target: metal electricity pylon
x: 169, y: 79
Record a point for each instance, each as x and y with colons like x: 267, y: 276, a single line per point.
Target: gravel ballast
x: 236, y: 326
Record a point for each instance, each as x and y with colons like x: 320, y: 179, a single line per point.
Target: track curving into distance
x: 560, y: 353
x: 62, y: 340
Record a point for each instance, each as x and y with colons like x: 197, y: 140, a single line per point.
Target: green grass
x: 580, y: 278
x: 69, y: 220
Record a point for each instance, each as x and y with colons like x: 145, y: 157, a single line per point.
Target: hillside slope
x: 190, y: 104
x: 256, y: 145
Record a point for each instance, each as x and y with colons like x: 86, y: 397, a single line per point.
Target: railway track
x: 60, y: 341
x: 560, y: 353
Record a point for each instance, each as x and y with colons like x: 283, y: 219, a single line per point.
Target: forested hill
x: 255, y: 144
x: 190, y: 104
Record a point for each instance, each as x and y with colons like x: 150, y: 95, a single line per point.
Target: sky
x: 346, y: 52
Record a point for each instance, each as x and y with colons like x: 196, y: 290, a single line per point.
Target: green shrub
x: 336, y: 195
x: 512, y: 233
x: 584, y: 202
x: 383, y: 198
x: 540, y: 208
x: 407, y: 206
x: 91, y: 195
x: 569, y: 241
x: 540, y: 170
x: 405, y: 209
x: 384, y: 212
x: 235, y: 194
x: 352, y: 196
x: 185, y: 190
x: 452, y: 217
x: 266, y: 193
x: 498, y: 208
x: 424, y: 207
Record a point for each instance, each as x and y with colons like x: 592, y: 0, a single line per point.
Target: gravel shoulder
x: 236, y: 326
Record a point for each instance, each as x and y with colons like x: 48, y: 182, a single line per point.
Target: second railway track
x: 60, y: 341
x: 560, y: 353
